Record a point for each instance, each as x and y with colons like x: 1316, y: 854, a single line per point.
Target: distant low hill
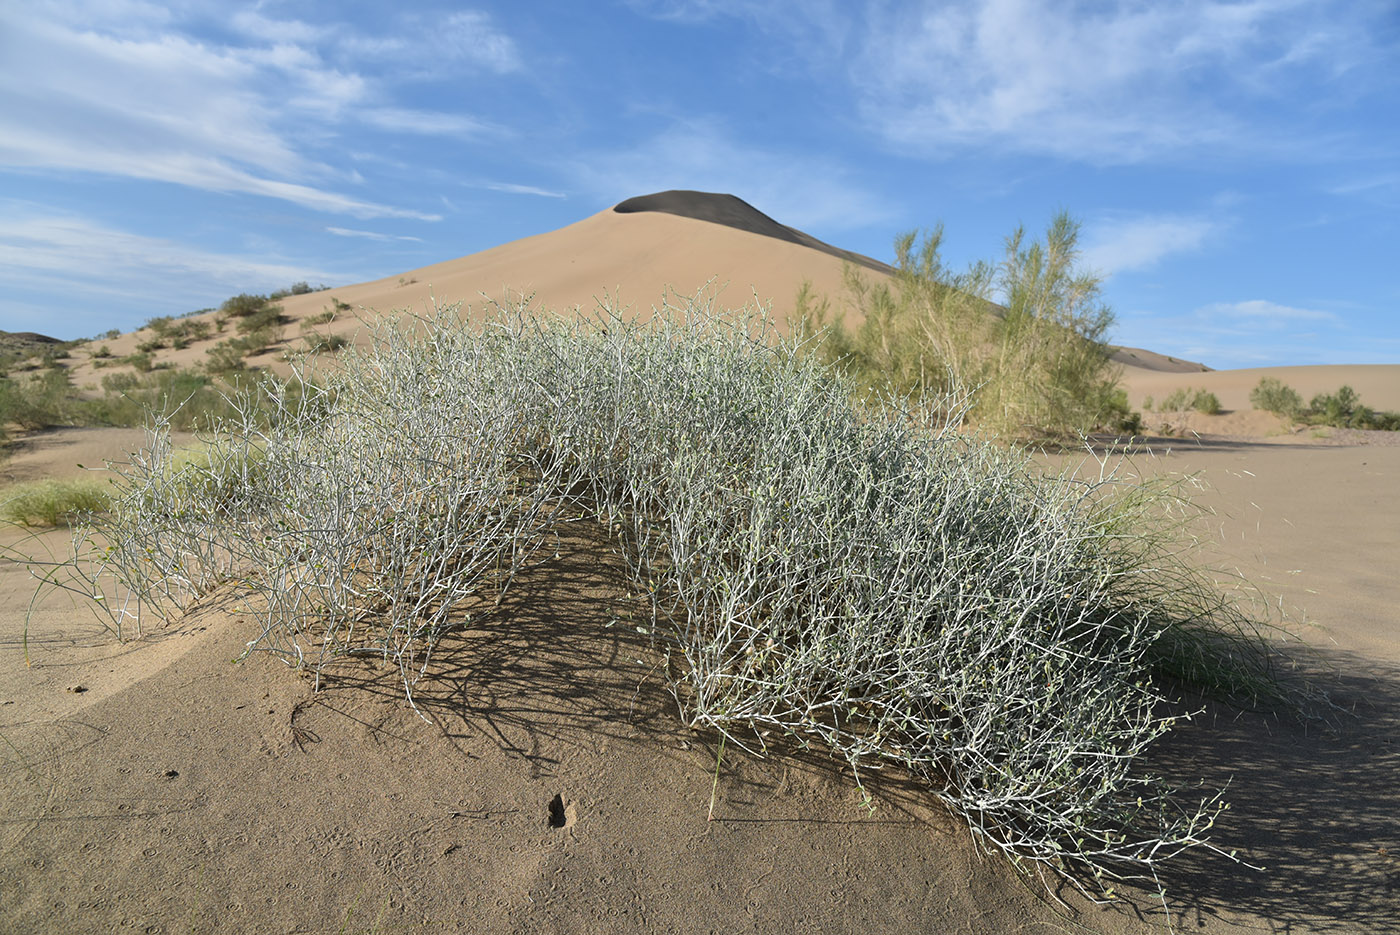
x: 15, y: 345
x: 1159, y: 363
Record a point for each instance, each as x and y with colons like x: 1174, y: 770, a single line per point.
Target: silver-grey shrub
x: 841, y: 574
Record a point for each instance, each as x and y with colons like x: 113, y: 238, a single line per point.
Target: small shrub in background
x: 1337, y: 408
x: 141, y: 361
x: 1381, y: 421
x: 53, y: 502
x: 243, y: 305
x: 120, y: 382
x: 225, y: 357
x: 197, y: 330
x: 1342, y: 409
x: 269, y: 316
x: 320, y: 318
x: 1147, y: 404
x: 186, y: 399
x: 258, y: 340
x: 326, y: 342
x: 1273, y: 395
x: 36, y: 401
x: 1201, y: 400
x: 1206, y: 403
x: 296, y: 288
x: 102, y: 352
x: 1178, y: 400
x: 228, y: 356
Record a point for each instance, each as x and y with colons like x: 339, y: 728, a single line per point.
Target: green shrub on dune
x: 1038, y: 358
x: 1272, y: 395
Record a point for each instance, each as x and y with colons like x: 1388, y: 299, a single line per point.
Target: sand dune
x: 556, y: 791
x: 636, y: 257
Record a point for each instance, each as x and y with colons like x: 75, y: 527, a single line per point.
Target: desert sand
x: 158, y: 785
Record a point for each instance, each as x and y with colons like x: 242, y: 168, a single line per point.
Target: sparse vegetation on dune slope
x: 845, y: 575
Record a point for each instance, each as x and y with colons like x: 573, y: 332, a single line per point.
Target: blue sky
x: 1235, y: 165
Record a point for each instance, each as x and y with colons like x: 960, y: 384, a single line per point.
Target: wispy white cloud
x: 796, y: 188
x: 138, y: 97
x: 369, y: 235
x: 1125, y: 244
x: 1382, y: 188
x: 467, y: 38
x: 253, y: 23
x: 513, y: 189
x: 1260, y: 312
x: 1103, y: 83
x: 425, y: 122
x: 816, y: 29
x: 72, y: 256
x: 1253, y: 332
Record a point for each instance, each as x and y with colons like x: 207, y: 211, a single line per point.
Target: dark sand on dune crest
x: 715, y: 208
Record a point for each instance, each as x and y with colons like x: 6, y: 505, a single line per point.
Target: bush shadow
x: 1314, y: 804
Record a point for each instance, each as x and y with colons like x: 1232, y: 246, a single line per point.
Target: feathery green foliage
x: 1273, y: 395
x: 52, y: 502
x: 36, y: 400
x: 1038, y: 360
x: 1201, y: 400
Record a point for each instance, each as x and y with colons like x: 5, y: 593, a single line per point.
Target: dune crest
x: 732, y: 211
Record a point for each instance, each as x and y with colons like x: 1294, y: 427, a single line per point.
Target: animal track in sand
x: 562, y: 813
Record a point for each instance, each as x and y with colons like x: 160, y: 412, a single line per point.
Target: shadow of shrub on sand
x: 1316, y: 804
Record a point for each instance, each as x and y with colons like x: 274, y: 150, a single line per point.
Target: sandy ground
x: 66, y: 452
x: 159, y: 786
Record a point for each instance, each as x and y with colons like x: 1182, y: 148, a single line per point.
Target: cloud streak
x: 369, y: 235
x: 513, y: 189
x: 70, y: 255
x: 1254, y: 333
x: 1124, y: 245
x: 1258, y: 312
